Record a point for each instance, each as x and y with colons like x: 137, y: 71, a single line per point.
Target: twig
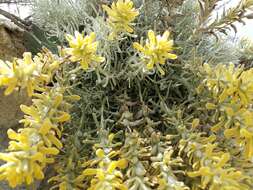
x: 16, y: 20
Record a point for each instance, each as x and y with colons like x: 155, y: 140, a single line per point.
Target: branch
x: 16, y: 20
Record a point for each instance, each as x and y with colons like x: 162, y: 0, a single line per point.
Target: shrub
x: 153, y: 99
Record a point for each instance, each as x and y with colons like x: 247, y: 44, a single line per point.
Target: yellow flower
x: 83, y: 49
x: 45, y: 116
x: 33, y: 147
x: 121, y: 15
x: 212, y: 166
x: 21, y: 168
x: 229, y: 83
x: 18, y: 73
x: 156, y: 50
x: 27, y: 157
x: 30, y: 73
x: 216, y: 176
x: 106, y: 171
x: 107, y: 176
x: 47, y: 63
x: 231, y: 88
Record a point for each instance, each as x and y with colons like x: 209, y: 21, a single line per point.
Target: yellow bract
x: 104, y: 168
x: 211, y: 166
x: 213, y: 172
x: 156, y: 50
x: 230, y: 83
x: 27, y: 72
x: 121, y: 15
x: 231, y: 90
x: 20, y: 73
x: 107, y: 176
x: 83, y: 49
x: 27, y: 159
x: 32, y: 147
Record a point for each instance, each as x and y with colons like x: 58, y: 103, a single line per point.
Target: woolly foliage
x: 165, y: 103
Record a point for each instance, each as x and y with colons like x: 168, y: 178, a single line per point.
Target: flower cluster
x: 231, y: 90
x: 27, y: 72
x: 151, y: 163
x: 107, y: 174
x: 121, y: 15
x: 153, y: 134
x: 210, y: 165
x: 156, y: 50
x: 83, y: 49
x: 32, y: 147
